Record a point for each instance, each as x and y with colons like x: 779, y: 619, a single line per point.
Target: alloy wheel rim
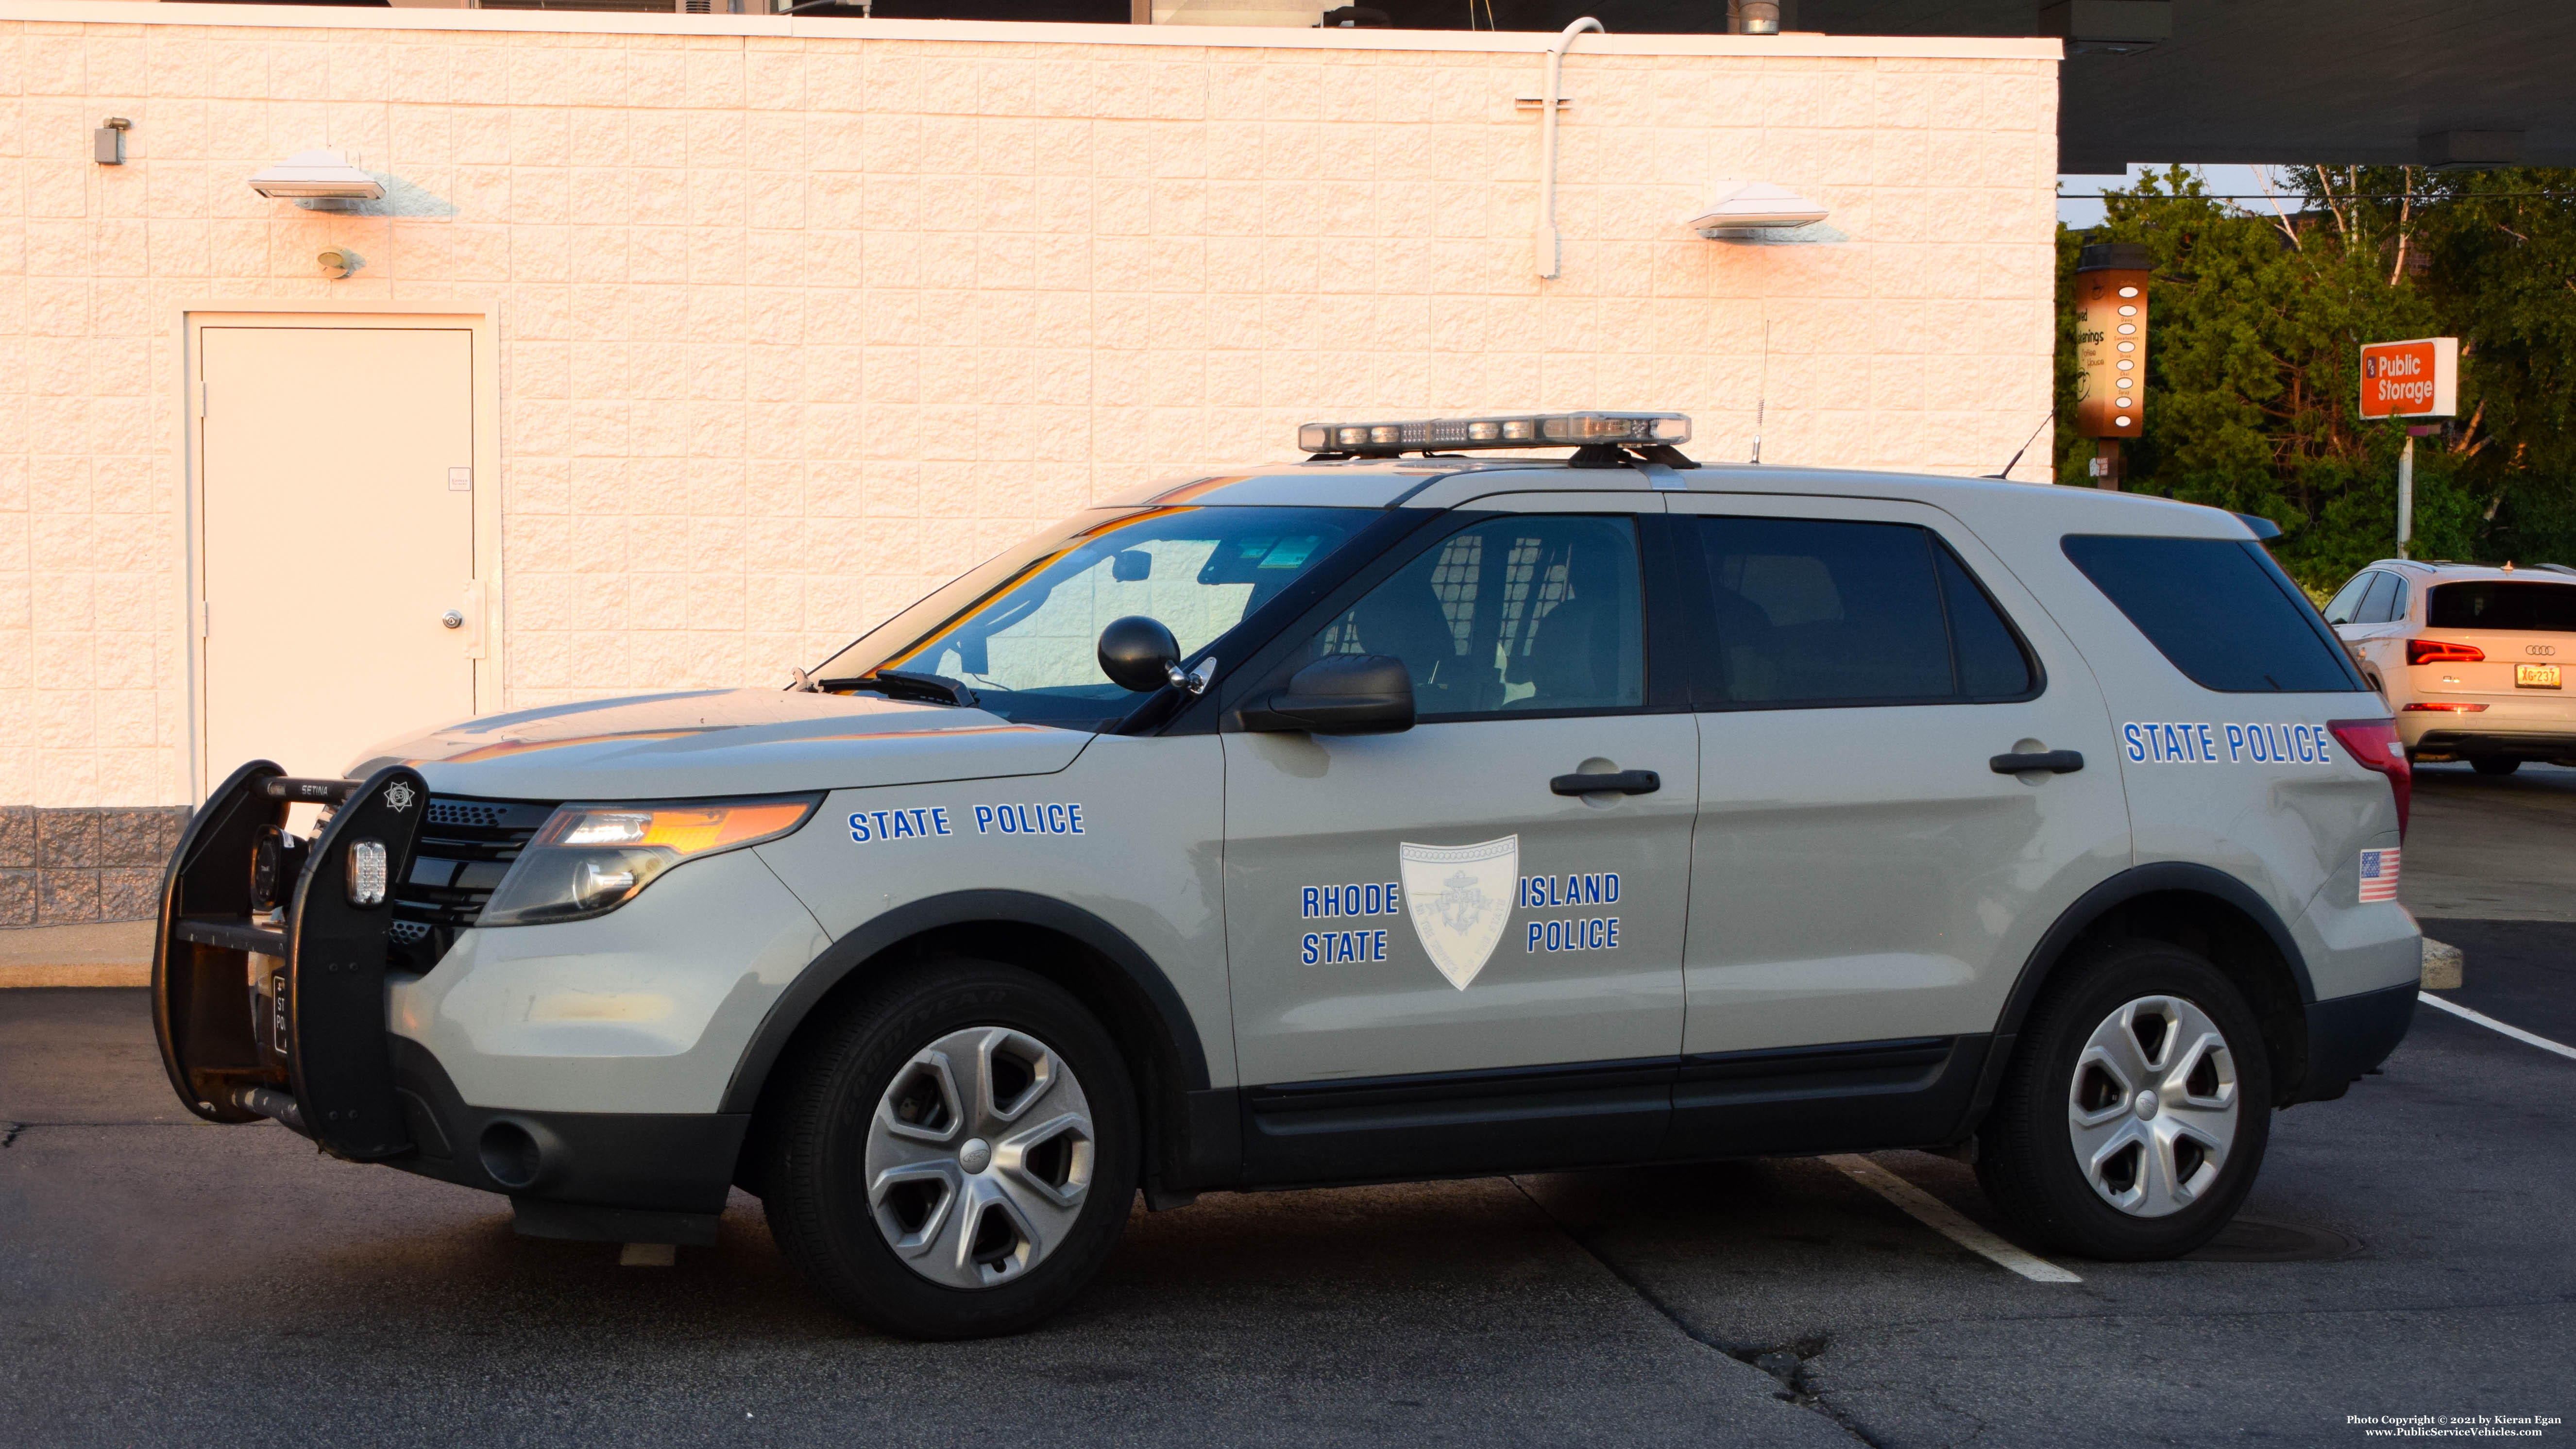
x: 2153, y: 1109
x: 979, y: 1157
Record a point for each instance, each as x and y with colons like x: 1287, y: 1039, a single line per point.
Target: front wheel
x: 2133, y: 1116
x: 952, y: 1155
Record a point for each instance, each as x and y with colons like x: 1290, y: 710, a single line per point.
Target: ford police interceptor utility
x: 1407, y: 812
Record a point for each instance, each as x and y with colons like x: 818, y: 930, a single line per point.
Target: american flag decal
x: 2379, y: 875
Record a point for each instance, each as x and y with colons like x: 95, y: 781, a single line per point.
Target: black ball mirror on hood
x: 1139, y: 653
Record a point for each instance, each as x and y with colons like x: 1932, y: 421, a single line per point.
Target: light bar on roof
x: 1528, y: 430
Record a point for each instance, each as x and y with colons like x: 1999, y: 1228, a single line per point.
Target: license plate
x: 2535, y: 676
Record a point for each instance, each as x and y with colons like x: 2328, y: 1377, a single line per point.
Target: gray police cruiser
x: 1412, y: 811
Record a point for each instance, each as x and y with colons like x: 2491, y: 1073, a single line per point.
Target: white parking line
x: 1946, y: 1220
x: 2491, y: 1024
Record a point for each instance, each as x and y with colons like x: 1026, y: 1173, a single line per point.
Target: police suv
x: 1416, y: 810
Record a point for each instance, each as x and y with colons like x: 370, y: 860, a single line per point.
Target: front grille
x: 466, y: 846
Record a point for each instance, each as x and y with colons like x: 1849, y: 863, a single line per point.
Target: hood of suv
x: 722, y: 742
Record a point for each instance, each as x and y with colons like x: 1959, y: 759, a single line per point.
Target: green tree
x: 2257, y: 318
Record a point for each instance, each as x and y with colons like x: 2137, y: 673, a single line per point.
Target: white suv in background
x: 2473, y: 659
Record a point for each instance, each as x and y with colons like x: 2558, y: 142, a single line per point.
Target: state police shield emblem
x: 1460, y: 897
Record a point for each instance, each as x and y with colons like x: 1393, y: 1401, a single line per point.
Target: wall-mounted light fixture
x: 107, y: 143
x: 1752, y: 17
x: 1743, y: 206
x: 316, y: 176
x: 338, y: 262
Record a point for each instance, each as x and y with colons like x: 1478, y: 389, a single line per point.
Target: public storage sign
x: 2414, y: 379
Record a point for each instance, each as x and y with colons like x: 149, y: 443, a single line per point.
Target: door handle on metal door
x: 1625, y: 782
x: 2055, y: 762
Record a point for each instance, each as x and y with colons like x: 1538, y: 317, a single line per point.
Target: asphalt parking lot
x: 2407, y: 1251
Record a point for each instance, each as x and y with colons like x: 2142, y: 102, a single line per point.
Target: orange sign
x: 2111, y: 346
x: 2417, y: 379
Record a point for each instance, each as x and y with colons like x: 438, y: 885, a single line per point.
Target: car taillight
x: 2374, y: 743
x: 2446, y: 706
x: 2436, y: 651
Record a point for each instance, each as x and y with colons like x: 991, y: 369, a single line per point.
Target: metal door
x: 336, y: 538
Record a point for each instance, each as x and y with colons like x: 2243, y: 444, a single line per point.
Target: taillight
x: 2447, y: 706
x: 2436, y: 651
x: 2374, y: 743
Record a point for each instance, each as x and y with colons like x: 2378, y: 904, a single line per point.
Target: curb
x: 2444, y: 966
x: 94, y: 974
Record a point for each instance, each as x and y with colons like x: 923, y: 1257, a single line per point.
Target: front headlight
x: 590, y: 859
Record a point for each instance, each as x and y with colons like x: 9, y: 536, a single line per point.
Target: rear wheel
x: 2133, y: 1117
x: 2490, y: 765
x: 952, y: 1155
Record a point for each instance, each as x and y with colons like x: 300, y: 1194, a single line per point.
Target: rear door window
x: 2220, y: 609
x: 1823, y: 611
x: 2495, y: 604
x: 2345, y: 607
x: 2376, y: 609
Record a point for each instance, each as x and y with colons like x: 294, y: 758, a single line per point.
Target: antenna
x: 1759, y: 405
x: 2025, y: 445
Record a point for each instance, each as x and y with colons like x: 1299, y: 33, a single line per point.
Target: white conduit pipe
x: 1551, y: 254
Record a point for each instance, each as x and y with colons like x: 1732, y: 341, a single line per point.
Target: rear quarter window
x: 2220, y: 609
x: 2538, y: 608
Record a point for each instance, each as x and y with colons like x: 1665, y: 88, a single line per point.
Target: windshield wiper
x: 908, y: 684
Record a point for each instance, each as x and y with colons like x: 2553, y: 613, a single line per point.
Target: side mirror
x: 1138, y: 653
x: 1340, y: 694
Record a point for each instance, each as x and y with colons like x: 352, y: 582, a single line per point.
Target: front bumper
x: 639, y: 1177
x: 282, y: 1014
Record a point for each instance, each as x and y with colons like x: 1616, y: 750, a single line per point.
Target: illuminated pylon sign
x: 2111, y: 341
x: 2414, y: 379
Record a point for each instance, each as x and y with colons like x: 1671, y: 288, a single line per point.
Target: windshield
x: 1022, y: 632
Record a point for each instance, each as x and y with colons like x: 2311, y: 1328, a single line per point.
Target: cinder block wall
x: 799, y: 317
x: 68, y: 867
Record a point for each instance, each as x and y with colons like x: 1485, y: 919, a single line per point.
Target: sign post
x: 2111, y: 347
x: 2417, y: 378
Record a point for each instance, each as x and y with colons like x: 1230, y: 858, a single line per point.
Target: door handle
x: 1625, y: 782
x: 2055, y: 762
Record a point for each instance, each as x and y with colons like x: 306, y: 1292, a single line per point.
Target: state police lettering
x: 1325, y: 948
x: 1368, y: 898
x: 2227, y: 744
x: 1576, y: 933
x: 912, y: 823
x: 1055, y: 819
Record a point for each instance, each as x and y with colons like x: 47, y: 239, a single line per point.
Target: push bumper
x: 268, y: 991
x: 276, y: 1009
x: 2349, y: 1035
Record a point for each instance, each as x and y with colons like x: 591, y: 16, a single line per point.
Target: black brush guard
x: 261, y: 1017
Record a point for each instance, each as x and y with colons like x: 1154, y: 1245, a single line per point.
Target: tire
x: 2074, y: 1157
x: 1000, y: 1189
x: 2490, y: 765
